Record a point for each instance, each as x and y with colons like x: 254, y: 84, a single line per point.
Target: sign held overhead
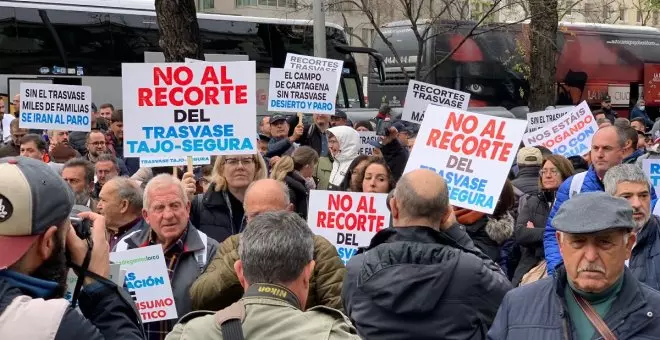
x: 420, y: 95
x: 55, y: 107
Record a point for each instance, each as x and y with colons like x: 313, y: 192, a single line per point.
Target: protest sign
x: 472, y: 152
x: 652, y: 170
x: 148, y: 282
x: 365, y: 138
x: 348, y: 220
x: 537, y: 120
x: 71, y: 279
x: 309, y: 63
x: 568, y: 136
x: 420, y: 95
x: 193, y: 109
x: 302, y: 91
x: 149, y: 162
x: 56, y: 107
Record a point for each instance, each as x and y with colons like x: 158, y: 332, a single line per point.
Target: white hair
x: 161, y: 181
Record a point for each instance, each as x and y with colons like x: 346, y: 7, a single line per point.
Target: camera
x: 80, y: 225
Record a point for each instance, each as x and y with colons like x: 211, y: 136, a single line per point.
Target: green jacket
x: 218, y: 287
x: 272, y: 319
x: 323, y: 170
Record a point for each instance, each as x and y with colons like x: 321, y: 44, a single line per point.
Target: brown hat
x: 62, y: 153
x: 530, y: 156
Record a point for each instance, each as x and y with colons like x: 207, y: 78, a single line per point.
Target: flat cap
x: 591, y: 212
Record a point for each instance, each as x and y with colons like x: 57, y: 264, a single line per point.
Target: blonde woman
x: 219, y: 212
x: 296, y: 172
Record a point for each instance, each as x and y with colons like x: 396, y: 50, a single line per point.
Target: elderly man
x: 628, y: 181
x: 79, y: 174
x: 220, y: 287
x: 593, y: 295
x: 187, y: 250
x: 607, y: 150
x: 275, y: 267
x: 414, y: 281
x: 120, y: 202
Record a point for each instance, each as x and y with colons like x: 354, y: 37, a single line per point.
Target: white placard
x: 309, y: 63
x: 147, y: 162
x: 537, y: 120
x: 472, y: 152
x: 193, y: 109
x: 365, y: 138
x: 568, y: 136
x: 56, y: 107
x: 348, y: 220
x: 115, y: 276
x: 148, y: 282
x: 420, y: 95
x: 302, y: 91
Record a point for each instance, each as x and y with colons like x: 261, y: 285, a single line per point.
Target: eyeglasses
x: 548, y: 171
x: 236, y: 161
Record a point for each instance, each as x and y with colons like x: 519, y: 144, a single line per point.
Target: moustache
x: 591, y: 268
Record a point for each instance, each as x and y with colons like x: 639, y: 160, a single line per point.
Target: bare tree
x: 179, y: 30
x: 543, y: 53
x: 645, y: 11
x: 424, y: 18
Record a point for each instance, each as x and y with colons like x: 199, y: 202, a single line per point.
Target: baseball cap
x: 606, y: 98
x: 33, y: 197
x: 591, y: 212
x: 276, y: 118
x: 529, y: 156
x: 376, y: 144
x: 340, y: 114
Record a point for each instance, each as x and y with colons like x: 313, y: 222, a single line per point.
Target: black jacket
x: 489, y: 233
x: 396, y: 157
x: 419, y: 283
x: 311, y: 137
x: 527, y: 179
x: 645, y: 261
x: 104, y: 314
x: 530, y: 240
x: 210, y: 213
x: 538, y: 311
x: 298, y: 193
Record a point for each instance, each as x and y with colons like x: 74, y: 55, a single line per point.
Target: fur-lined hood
x: 500, y: 230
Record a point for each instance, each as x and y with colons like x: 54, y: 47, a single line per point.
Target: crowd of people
x: 242, y: 260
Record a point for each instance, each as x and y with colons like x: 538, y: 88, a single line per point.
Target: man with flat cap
x: 592, y: 295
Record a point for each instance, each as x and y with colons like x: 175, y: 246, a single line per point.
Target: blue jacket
x: 645, y: 261
x: 591, y: 183
x: 637, y: 113
x: 538, y: 311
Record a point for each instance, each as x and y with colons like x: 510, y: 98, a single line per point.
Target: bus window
x: 352, y: 93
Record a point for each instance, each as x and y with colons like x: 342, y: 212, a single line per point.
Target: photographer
x: 36, y: 239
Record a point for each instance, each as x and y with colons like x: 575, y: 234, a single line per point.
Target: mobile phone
x: 384, y: 128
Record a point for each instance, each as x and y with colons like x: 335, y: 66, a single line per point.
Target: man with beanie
x: 35, y: 238
x: 529, y: 164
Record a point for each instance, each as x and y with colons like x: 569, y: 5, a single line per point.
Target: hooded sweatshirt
x: 349, y: 142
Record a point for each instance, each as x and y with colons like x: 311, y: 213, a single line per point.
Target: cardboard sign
x: 148, y: 282
x: 309, y: 63
x: 194, y: 109
x: 302, y: 91
x: 55, y: 107
x: 569, y: 136
x: 420, y: 95
x: 365, y: 138
x: 347, y: 219
x: 537, y: 120
x: 148, y: 162
x: 472, y: 152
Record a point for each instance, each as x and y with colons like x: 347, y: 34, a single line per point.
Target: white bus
x: 84, y: 42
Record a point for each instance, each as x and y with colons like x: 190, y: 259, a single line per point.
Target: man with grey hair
x: 165, y: 208
x: 120, y: 202
x: 275, y: 266
x: 415, y: 281
x: 220, y: 287
x: 592, y: 295
x: 629, y: 181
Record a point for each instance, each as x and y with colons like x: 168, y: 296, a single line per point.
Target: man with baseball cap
x: 593, y: 293
x: 35, y: 238
x: 280, y: 143
x: 529, y: 162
